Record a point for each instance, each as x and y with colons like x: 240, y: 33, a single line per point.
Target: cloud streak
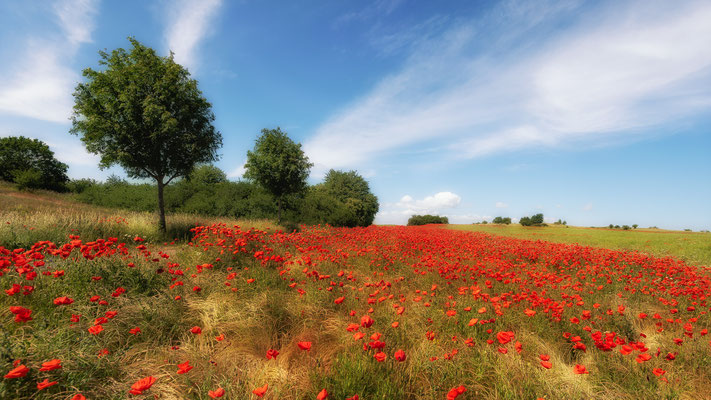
x: 190, y: 22
x: 508, y: 82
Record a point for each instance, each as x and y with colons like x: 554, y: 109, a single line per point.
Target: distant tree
x: 634, y: 226
x: 537, y: 219
x: 427, y: 219
x: 354, y: 192
x: 31, y: 164
x: 144, y: 113
x: 611, y: 226
x: 207, y: 174
x: 525, y: 221
x: 278, y: 165
x: 501, y: 220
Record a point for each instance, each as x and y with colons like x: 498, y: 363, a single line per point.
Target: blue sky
x: 593, y: 112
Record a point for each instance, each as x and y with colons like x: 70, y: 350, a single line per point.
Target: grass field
x: 367, y: 313
x: 693, y: 247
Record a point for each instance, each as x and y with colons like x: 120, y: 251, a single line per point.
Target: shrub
x: 427, y: 219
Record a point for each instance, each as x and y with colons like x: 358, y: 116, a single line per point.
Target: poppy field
x: 362, y: 313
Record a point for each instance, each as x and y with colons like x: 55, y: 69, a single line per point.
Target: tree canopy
x: 31, y: 164
x: 278, y: 164
x: 353, y: 192
x: 144, y: 113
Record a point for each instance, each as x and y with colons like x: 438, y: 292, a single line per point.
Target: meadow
x: 98, y: 305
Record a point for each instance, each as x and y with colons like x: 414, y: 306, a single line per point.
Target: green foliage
x: 501, y: 220
x: 534, y: 220
x: 427, y: 219
x: 343, y: 199
x: 144, y: 113
x: 80, y: 185
x: 207, y: 175
x: 278, y: 165
x: 31, y: 164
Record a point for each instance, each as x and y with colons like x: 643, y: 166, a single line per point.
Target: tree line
x: 144, y: 113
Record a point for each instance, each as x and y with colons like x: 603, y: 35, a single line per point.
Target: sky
x: 591, y: 112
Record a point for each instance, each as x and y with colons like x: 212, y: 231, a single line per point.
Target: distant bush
x: 80, y: 185
x: 534, y: 220
x: 560, y: 222
x: 501, y: 220
x: 31, y: 164
x: 626, y: 227
x: 427, y: 219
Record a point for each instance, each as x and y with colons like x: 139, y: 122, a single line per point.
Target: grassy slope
x: 26, y: 218
x: 693, y: 247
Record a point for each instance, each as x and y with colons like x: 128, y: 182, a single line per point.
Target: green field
x: 692, y: 247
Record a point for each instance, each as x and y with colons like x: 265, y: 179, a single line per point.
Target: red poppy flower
x: 400, y: 355
x: 196, y: 330
x: 580, y: 369
x: 45, y: 384
x: 217, y: 393
x: 261, y: 390
x: 184, y: 367
x: 304, y: 345
x: 18, y: 372
x: 455, y: 392
x: 142, y: 385
x: 51, y: 365
x: 322, y: 395
x: 271, y: 353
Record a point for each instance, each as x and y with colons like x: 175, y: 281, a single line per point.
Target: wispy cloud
x: 189, y: 22
x: 40, y: 83
x: 501, y: 204
x: 509, y: 81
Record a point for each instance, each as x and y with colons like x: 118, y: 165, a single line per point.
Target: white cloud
x: 40, y: 83
x: 238, y: 172
x: 76, y: 18
x: 501, y: 204
x: 399, y: 212
x: 190, y: 21
x: 588, y: 207
x: 506, y: 83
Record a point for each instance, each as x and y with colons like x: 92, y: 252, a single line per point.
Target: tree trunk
x: 161, y: 206
x: 279, y: 210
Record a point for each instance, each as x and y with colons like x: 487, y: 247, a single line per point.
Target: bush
x: 501, y: 220
x: 32, y: 163
x: 426, y: 219
x: 29, y: 179
x: 535, y: 220
x: 80, y: 185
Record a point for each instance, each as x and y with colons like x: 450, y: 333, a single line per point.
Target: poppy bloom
x: 45, y: 384
x: 271, y: 353
x: 658, y: 371
x: 580, y: 369
x: 219, y: 392
x: 220, y: 338
x: 18, y: 372
x: 304, y: 345
x: 455, y: 392
x: 395, y: 324
x: 400, y: 355
x: 339, y: 300
x: 504, y: 337
x: 546, y: 364
x: 78, y: 396
x: 184, y: 367
x: 135, y: 331
x: 142, y: 385
x: 358, y: 336
x: 22, y: 314
x: 529, y: 312
x: 322, y: 395
x: 96, y: 329
x: 196, y: 330
x: 261, y: 390
x: 366, y: 321
x: 380, y: 356
x: 51, y: 365
x: 64, y: 300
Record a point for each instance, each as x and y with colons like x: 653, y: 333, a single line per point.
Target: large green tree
x: 278, y: 164
x: 353, y: 192
x: 144, y: 113
x: 30, y: 163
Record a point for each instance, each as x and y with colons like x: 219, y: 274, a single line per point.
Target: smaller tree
x: 537, y: 219
x: 278, y: 165
x: 525, y: 221
x: 354, y: 192
x: 31, y: 164
x: 427, y: 219
x: 144, y: 113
